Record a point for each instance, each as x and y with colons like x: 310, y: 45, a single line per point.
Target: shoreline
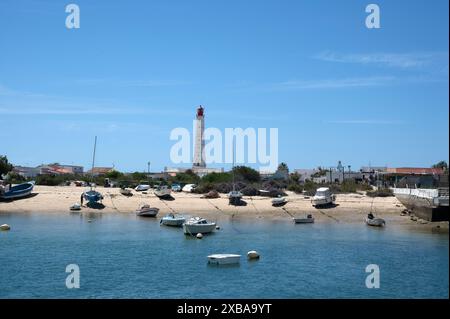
x: 349, y: 209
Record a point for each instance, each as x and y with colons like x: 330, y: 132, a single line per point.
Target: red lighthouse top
x: 200, y: 111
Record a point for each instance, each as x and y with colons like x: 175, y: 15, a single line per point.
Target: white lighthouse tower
x: 199, y: 148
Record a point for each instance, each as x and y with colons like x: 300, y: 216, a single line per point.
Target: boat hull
x: 423, y: 206
x: 224, y: 259
x: 18, y: 191
x: 323, y: 201
x: 376, y: 222
x: 303, y: 220
x: 152, y: 212
x: 92, y: 197
x: 173, y: 222
x: 192, y: 229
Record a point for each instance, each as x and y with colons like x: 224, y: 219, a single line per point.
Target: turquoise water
x: 124, y: 256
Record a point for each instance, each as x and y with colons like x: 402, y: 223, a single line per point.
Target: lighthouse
x: 199, y: 148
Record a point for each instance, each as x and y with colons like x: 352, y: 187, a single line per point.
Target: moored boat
x: 18, y: 191
x: 308, y: 219
x: 371, y: 220
x: 173, y: 220
x: 196, y: 225
x: 224, y: 259
x: 145, y: 210
x: 75, y: 207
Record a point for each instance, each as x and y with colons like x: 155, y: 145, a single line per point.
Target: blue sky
x: 137, y: 69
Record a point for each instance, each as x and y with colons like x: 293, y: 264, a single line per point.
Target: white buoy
x: 253, y: 254
x: 199, y: 236
x: 5, y: 227
x: 217, y: 227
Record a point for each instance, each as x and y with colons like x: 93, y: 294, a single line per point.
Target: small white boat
x: 373, y: 221
x: 142, y: 187
x: 126, y: 191
x: 188, y: 188
x: 173, y: 220
x: 224, y: 259
x: 162, y: 191
x: 308, y: 219
x: 75, y: 207
x: 145, y: 210
x: 5, y: 227
x: 279, y: 201
x: 197, y: 225
x: 323, y: 197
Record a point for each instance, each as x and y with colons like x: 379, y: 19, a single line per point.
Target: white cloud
x: 366, y: 122
x: 398, y: 60
x: 334, y: 83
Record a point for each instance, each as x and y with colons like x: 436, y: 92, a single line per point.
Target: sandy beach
x: 350, y: 208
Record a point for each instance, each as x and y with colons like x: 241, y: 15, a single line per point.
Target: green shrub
x: 383, y: 192
x: 295, y: 188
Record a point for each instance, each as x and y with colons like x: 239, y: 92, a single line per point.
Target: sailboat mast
x: 232, y: 168
x: 93, y: 161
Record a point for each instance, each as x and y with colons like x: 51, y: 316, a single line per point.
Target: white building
x: 199, y: 148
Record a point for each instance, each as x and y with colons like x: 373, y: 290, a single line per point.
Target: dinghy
x: 75, y: 207
x: 224, y: 259
x: 371, y: 220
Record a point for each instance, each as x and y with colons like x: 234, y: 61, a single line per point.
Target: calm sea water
x: 129, y: 257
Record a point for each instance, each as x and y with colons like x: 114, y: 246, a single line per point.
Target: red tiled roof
x: 415, y: 170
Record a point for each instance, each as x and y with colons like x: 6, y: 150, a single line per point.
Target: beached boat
x: 188, y: 188
x: 92, y: 197
x: 176, y: 187
x: 224, y: 259
x: 145, y: 210
x: 142, y: 187
x: 323, y: 197
x: 126, y: 191
x: 18, y: 191
x: 279, y: 201
x: 162, y: 191
x: 234, y: 197
x: 196, y: 225
x: 75, y: 207
x: 173, y: 220
x: 308, y: 219
x: 373, y: 221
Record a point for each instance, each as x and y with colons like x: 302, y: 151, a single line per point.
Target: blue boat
x: 92, y: 196
x: 18, y: 191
